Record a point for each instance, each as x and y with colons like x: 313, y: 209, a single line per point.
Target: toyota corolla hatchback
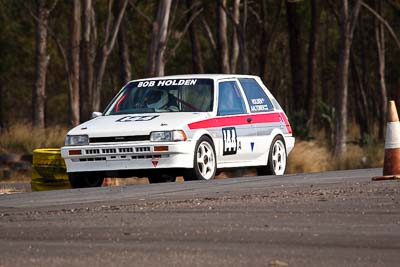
x: 187, y: 125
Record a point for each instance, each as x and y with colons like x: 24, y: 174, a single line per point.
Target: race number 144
x: 229, y: 141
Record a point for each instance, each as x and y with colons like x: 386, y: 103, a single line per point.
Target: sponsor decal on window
x: 160, y: 83
x: 258, y: 104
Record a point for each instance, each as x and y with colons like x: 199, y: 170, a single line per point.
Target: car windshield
x: 170, y: 95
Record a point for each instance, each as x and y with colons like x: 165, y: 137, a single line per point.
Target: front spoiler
x: 129, y: 157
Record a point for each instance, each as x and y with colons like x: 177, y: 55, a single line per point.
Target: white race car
x: 186, y: 125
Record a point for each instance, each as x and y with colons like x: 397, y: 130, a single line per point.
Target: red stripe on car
x: 285, y: 119
x: 237, y: 120
x: 119, y: 102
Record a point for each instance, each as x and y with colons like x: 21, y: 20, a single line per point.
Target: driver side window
x: 230, y: 100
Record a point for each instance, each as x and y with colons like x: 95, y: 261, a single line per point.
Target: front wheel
x: 204, y: 162
x: 277, y: 158
x: 83, y: 180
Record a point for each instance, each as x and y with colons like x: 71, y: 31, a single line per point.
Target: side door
x: 264, y: 116
x: 236, y: 131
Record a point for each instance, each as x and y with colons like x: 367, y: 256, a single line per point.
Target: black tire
x: 83, y: 180
x: 161, y: 178
x: 204, y: 161
x: 277, y: 158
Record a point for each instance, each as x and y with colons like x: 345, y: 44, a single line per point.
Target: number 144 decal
x: 229, y: 140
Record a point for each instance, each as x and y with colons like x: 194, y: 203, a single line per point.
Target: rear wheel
x: 277, y: 158
x: 204, y: 162
x: 83, y: 180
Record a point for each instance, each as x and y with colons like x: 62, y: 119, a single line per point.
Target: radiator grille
x: 92, y: 151
x: 93, y: 159
x: 142, y: 149
x: 109, y: 151
x: 120, y: 150
x: 113, y: 139
x: 123, y: 157
x: 125, y: 149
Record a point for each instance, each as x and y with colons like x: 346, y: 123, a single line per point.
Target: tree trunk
x: 397, y: 92
x: 244, y: 60
x: 94, y: 66
x: 347, y: 26
x: 342, y: 95
x: 267, y: 36
x: 234, y: 41
x: 360, y: 99
x: 325, y: 48
x: 197, y: 61
x: 73, y: 93
x: 123, y: 48
x: 380, y: 42
x: 162, y: 43
x: 156, y: 64
x: 2, y: 122
x: 151, y: 62
x: 109, y: 42
x: 88, y: 57
x: 209, y: 35
x: 296, y: 53
x: 222, y: 43
x: 42, y: 61
x: 363, y: 51
x: 264, y: 41
x: 312, y: 81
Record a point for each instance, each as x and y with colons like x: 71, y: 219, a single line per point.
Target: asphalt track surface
x: 322, y: 219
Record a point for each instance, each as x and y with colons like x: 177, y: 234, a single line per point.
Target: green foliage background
x: 17, y: 48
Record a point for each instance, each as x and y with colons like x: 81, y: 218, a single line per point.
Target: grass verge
x: 307, y: 156
x: 315, y: 156
x: 22, y: 138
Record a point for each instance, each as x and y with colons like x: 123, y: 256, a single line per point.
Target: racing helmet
x: 156, y: 98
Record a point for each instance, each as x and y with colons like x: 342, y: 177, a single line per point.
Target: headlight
x: 167, y: 136
x: 76, y: 140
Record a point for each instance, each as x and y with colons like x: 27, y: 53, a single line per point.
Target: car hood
x: 136, y: 124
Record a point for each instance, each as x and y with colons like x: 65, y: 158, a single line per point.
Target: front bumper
x: 129, y: 156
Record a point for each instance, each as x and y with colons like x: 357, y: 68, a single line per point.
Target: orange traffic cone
x: 391, y: 164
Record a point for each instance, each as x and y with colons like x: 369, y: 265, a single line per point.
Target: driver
x: 158, y: 99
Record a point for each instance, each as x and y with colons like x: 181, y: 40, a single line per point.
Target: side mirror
x: 96, y: 114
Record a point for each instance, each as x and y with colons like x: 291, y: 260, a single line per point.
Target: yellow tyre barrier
x: 48, y: 170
